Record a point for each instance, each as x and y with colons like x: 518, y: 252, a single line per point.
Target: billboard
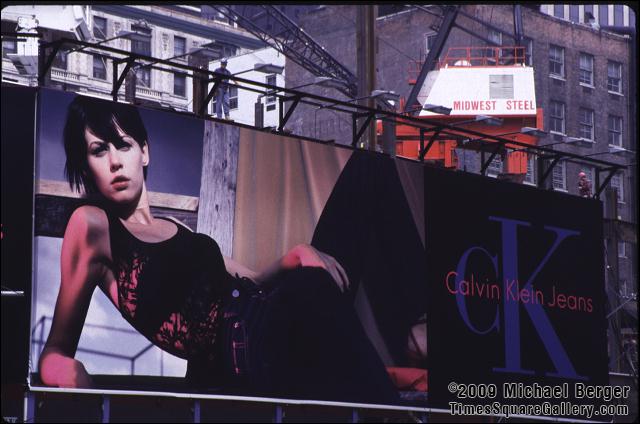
x: 334, y: 237
x: 519, y: 274
x: 354, y: 253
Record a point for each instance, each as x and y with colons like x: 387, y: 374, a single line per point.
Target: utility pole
x: 366, y: 65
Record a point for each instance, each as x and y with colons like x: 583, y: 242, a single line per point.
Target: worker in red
x: 584, y: 185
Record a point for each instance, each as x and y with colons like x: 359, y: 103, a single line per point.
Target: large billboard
x: 519, y: 274
x: 354, y: 253
x: 333, y: 237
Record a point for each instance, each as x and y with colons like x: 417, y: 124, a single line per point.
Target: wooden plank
x: 156, y: 199
x: 52, y: 214
x: 218, y: 183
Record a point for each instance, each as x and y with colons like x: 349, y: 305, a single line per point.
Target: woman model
x: 287, y: 331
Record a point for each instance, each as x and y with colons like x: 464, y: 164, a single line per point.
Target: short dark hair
x: 101, y: 117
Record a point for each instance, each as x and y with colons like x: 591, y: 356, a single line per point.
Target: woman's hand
x: 57, y: 369
x: 306, y: 255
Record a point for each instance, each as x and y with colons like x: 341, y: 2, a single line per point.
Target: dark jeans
x: 297, y: 336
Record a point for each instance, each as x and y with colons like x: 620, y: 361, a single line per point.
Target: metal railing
x: 361, y: 116
x: 38, y: 344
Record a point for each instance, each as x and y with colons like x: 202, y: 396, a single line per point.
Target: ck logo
x: 535, y: 311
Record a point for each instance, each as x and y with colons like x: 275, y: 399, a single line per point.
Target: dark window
x: 99, y: 68
x: 586, y: 69
x: 614, y: 76
x: 143, y: 75
x: 556, y: 117
x: 271, y: 80
x: 179, y: 46
x: 574, y: 14
x: 632, y: 18
x: 528, y: 55
x: 588, y: 8
x: 179, y: 85
x: 141, y: 46
x: 99, y: 28
x: 558, y: 10
x: 431, y: 39
x: 585, y: 122
x: 618, y: 15
x: 617, y: 183
x: 603, y: 14
x: 60, y: 60
x: 9, y: 46
x: 556, y: 60
x: 615, y: 130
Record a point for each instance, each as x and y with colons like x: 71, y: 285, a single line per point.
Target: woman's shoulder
x: 88, y: 219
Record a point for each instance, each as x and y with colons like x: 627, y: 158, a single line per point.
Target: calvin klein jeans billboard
x: 517, y: 275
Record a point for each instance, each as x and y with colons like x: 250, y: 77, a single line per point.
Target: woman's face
x: 117, y: 169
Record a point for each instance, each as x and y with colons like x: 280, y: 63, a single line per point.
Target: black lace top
x: 171, y: 291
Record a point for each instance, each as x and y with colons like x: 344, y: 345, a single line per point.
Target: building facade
x: 172, y: 31
x: 594, y: 14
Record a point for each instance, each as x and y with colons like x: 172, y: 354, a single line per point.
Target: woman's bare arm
x: 82, y: 262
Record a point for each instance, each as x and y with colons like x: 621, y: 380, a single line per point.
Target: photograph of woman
x: 289, y: 330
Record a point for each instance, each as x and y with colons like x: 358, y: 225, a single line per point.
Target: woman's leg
x: 313, y: 345
x: 368, y: 227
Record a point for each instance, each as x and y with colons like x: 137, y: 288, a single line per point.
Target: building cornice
x: 204, y: 31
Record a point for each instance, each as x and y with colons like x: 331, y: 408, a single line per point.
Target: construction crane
x: 277, y: 29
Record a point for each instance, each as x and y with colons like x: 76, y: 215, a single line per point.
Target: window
x: 143, y: 75
x: 622, y: 251
x: 141, y: 46
x: 574, y: 14
x: 614, y: 77
x: 586, y: 69
x: 530, y: 177
x: 271, y: 80
x: 233, y: 97
x: 618, y: 185
x: 495, y: 167
x: 99, y: 28
x: 60, y: 60
x: 556, y: 116
x: 430, y: 39
x: 179, y: 85
x: 588, y: 13
x: 560, y: 176
x: 585, y: 123
x: 603, y: 14
x: 99, y: 68
x: 528, y: 54
x: 618, y: 15
x: 556, y: 61
x: 615, y: 130
x: 501, y: 86
x: 179, y: 46
x: 9, y: 46
x: 558, y: 10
